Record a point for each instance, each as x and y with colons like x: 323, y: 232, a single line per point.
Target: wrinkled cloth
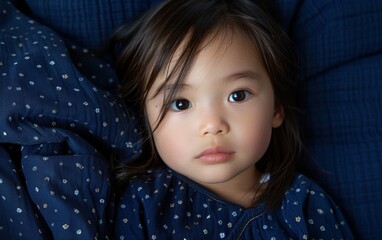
x: 61, y: 131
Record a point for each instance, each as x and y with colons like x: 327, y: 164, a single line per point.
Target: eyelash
x: 246, y: 95
x: 183, y: 104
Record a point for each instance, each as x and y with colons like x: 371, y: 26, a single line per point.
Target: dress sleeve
x: 129, y: 215
x: 323, y: 218
x: 309, y: 213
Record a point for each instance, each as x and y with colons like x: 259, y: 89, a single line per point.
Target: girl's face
x: 220, y: 123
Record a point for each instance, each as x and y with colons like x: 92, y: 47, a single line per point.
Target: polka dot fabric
x: 61, y: 124
x: 165, y: 205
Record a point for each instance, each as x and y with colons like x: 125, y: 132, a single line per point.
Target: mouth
x: 215, y: 155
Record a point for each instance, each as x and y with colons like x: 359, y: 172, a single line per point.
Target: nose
x: 213, y: 123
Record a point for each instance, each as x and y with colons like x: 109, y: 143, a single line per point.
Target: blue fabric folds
x: 60, y: 131
x: 340, y: 44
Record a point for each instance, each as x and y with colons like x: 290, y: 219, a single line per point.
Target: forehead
x: 218, y: 44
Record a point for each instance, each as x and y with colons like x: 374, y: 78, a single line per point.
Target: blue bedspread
x: 60, y: 128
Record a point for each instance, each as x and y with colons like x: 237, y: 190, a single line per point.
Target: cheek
x: 164, y: 136
x: 254, y: 130
x: 259, y: 130
x: 153, y: 114
x: 170, y: 142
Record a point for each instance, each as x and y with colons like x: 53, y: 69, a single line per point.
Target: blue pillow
x: 340, y: 43
x: 88, y: 23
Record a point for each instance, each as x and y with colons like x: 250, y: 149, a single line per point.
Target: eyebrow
x: 168, y: 87
x: 244, y: 74
x: 248, y: 74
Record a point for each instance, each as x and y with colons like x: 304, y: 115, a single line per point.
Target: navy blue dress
x: 162, y: 204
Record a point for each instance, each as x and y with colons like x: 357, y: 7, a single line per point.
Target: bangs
x: 179, y: 57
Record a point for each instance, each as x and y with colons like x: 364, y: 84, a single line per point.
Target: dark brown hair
x: 147, y: 48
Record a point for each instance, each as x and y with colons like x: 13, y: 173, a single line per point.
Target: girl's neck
x: 241, y: 190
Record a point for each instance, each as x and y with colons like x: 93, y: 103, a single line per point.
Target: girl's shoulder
x: 302, y: 182
x: 304, y: 189
x: 306, y: 205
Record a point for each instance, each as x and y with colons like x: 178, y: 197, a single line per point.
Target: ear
x: 278, y: 116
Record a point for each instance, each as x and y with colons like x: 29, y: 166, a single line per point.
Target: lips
x: 215, y: 155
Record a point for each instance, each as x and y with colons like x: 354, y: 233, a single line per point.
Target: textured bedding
x: 59, y: 131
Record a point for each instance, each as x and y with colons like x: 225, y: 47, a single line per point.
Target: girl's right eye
x: 180, y: 105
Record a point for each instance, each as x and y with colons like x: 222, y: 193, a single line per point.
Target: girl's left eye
x: 239, y: 96
x: 180, y: 105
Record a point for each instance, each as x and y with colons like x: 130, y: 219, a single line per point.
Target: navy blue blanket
x: 59, y: 131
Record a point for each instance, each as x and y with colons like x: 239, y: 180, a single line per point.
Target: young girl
x: 213, y: 82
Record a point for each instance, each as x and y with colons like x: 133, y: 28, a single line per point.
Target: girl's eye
x: 239, y: 96
x: 180, y: 105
